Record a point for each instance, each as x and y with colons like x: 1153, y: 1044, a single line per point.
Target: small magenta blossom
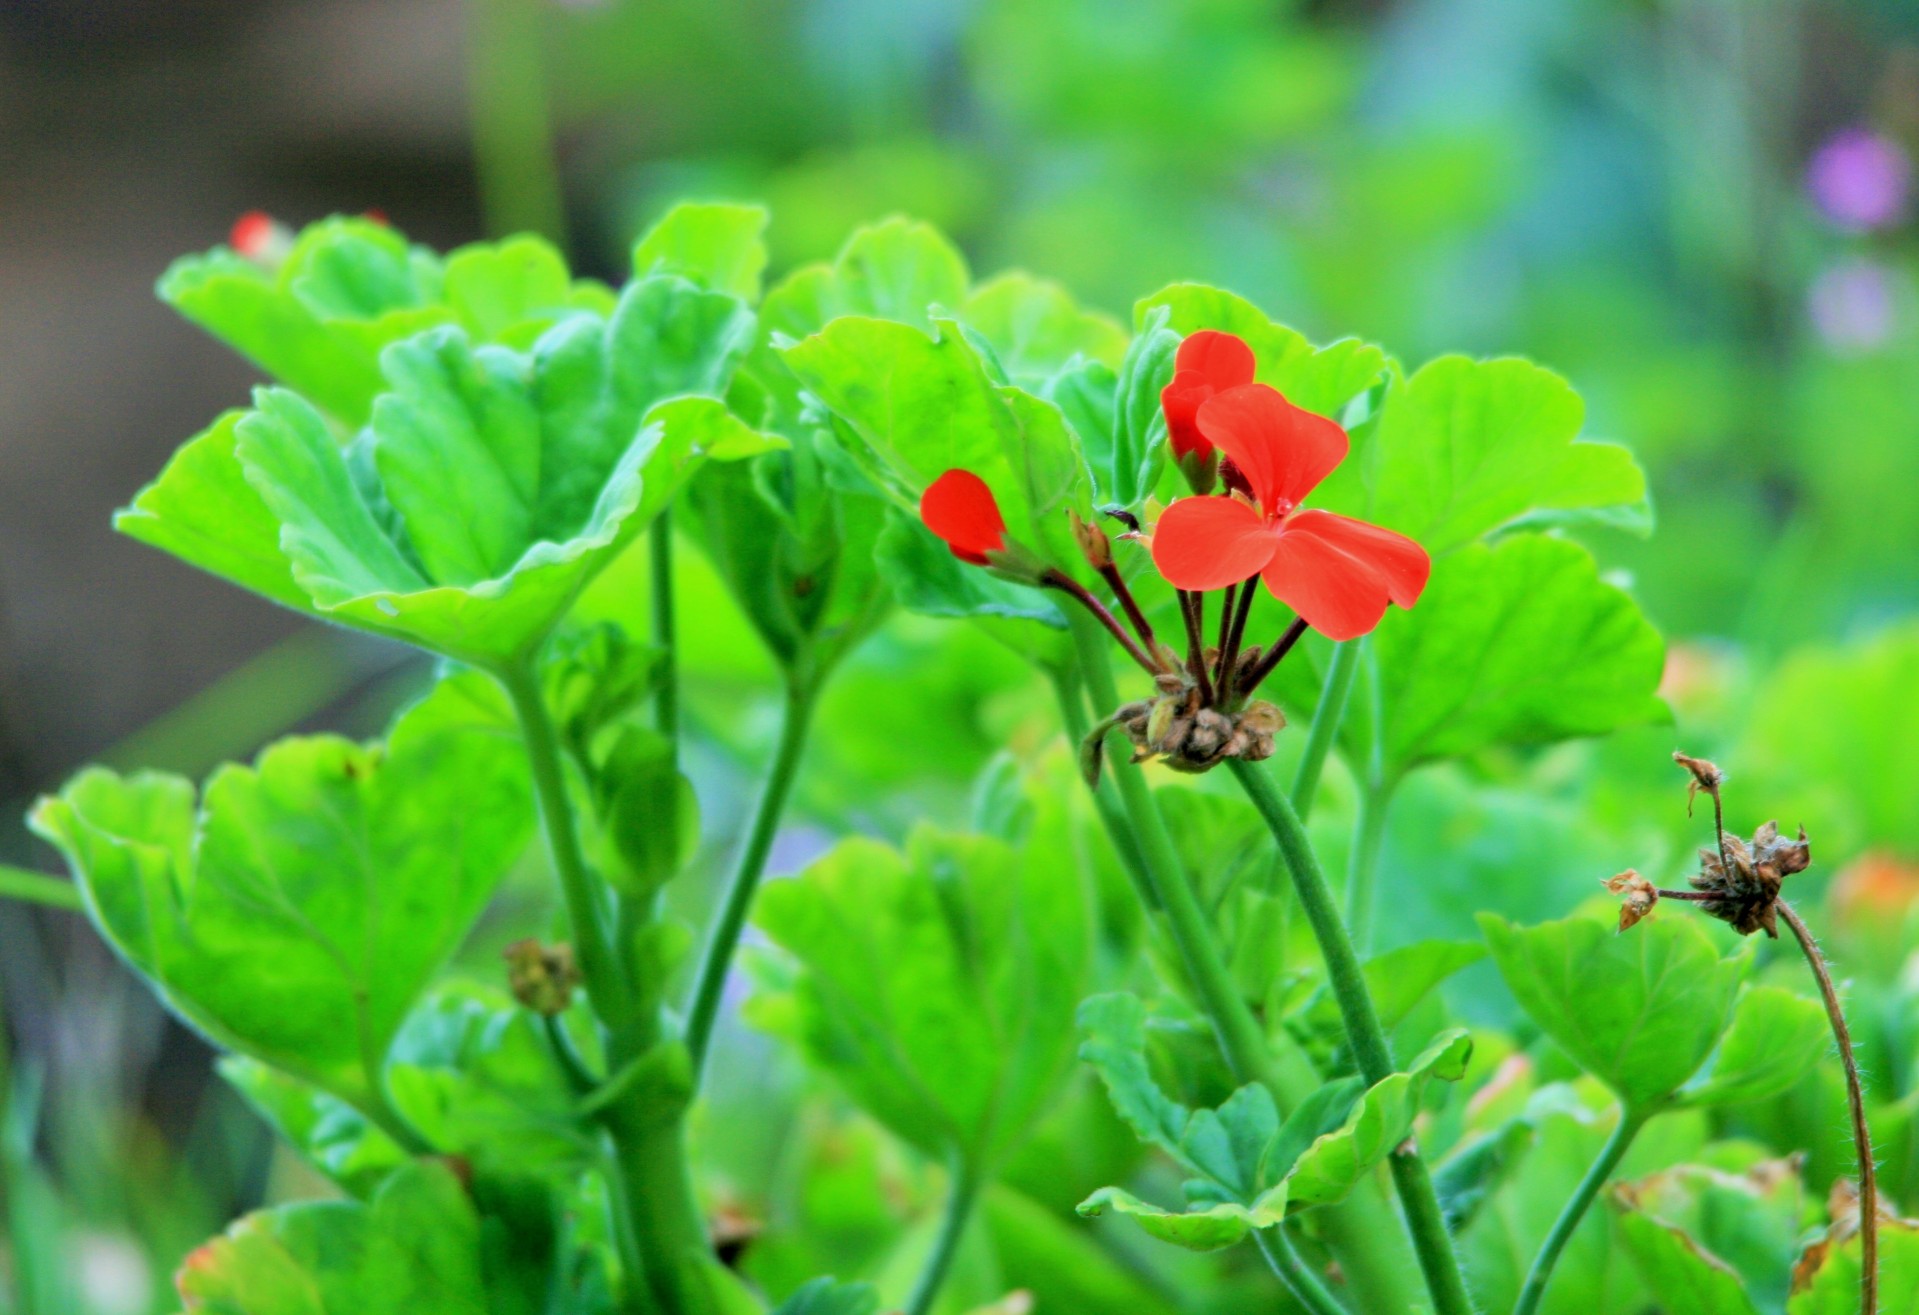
x: 1860, y: 180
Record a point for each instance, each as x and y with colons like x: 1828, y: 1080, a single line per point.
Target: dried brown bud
x: 1093, y: 543
x: 542, y: 977
x: 1705, y: 776
x: 1638, y: 896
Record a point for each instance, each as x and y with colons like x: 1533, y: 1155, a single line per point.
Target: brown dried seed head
x: 541, y: 977
x: 1705, y: 776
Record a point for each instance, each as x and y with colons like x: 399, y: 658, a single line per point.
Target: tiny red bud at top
x: 1208, y: 362
x: 253, y: 234
x: 959, y: 508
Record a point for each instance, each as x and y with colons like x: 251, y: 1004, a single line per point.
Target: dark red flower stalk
x: 1208, y: 362
x: 1337, y: 573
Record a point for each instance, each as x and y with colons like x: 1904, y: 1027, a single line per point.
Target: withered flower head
x: 542, y: 977
x: 1705, y: 776
x: 1178, y: 728
x: 1745, y: 881
x: 1638, y: 896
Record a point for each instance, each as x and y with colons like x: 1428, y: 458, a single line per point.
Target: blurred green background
x: 1700, y: 211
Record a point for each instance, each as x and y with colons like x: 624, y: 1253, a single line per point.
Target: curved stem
x: 961, y: 1193
x: 1330, y: 711
x: 38, y: 888
x: 1856, y: 1100
x: 1575, y: 1209
x: 1369, y: 837
x: 717, y: 956
x: 585, y: 906
x: 1363, y: 1031
x: 1294, y: 1273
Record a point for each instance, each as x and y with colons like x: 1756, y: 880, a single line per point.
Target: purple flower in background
x: 1860, y: 180
x: 1853, y: 304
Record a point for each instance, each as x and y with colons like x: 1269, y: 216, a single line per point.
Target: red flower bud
x: 959, y: 508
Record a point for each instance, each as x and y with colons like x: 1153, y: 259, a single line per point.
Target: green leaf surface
x: 508, y: 291
x: 1685, y: 1276
x: 414, y: 1247
x: 327, y: 1132
x: 1036, y: 327
x: 1725, y: 1240
x: 1398, y: 979
x: 1639, y: 1010
x: 565, y: 454
x: 918, y: 406
x: 1832, y: 1286
x: 296, y: 913
x: 825, y: 1296
x: 1776, y: 1038
x: 935, y: 983
x: 716, y: 245
x: 1320, y: 379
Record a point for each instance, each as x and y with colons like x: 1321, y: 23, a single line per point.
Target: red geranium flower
x: 1208, y: 362
x: 1336, y: 572
x: 959, y: 508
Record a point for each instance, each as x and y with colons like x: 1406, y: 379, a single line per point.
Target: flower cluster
x: 1266, y: 456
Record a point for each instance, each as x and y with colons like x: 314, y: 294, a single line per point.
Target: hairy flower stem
x: 1055, y: 579
x: 1856, y: 1100
x: 961, y: 1193
x: 1363, y: 1031
x: 1193, y: 607
x: 1291, y: 1270
x: 1229, y: 650
x: 1327, y: 715
x: 1362, y: 1231
x: 1072, y: 712
x: 1272, y: 657
x: 1369, y: 839
x: 660, y: 1230
x: 1534, y: 1290
x: 724, y: 938
x: 1117, y: 583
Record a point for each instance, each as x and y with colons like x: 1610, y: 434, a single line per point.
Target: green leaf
x: 716, y: 245
x: 296, y: 914
x: 318, y: 322
x: 414, y: 1247
x: 936, y: 984
x: 1057, y: 1261
x: 1638, y: 1010
x: 1517, y: 643
x: 1831, y: 1274
x: 1320, y: 379
x: 1210, y: 1229
x: 1465, y: 447
x: 1776, y: 1037
x: 1725, y: 1240
x: 1036, y: 327
x: 475, y: 1076
x: 500, y: 291
x: 565, y: 454
x: 929, y: 580
x: 647, y: 809
x: 825, y: 1296
x: 1398, y: 979
x: 330, y: 1134
x: 918, y: 406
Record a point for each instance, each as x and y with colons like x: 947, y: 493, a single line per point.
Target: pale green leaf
x: 714, y: 244
x: 1776, y: 1037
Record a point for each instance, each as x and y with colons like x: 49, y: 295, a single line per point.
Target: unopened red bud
x: 1093, y: 543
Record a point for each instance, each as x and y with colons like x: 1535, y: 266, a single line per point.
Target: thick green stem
x: 1330, y: 711
x: 512, y: 128
x: 724, y: 938
x: 666, y: 693
x: 1294, y: 1273
x: 1575, y: 1209
x: 1362, y: 879
x: 660, y: 1229
x: 1072, y: 713
x: 1363, y: 1031
x: 961, y: 1193
x: 38, y: 888
x: 1362, y: 1231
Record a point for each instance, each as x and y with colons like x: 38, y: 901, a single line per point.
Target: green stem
x: 1326, y: 718
x: 1363, y: 1031
x: 1294, y: 1273
x: 717, y: 956
x: 1541, y: 1272
x: 512, y: 128
x: 1362, y: 879
x: 38, y: 888
x: 586, y: 906
x: 961, y: 1194
x: 1361, y: 1231
x: 666, y: 694
x: 1072, y: 713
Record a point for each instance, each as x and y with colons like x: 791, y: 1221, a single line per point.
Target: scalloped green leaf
x: 1320, y: 379
x: 1211, y: 1229
x: 1709, y: 1240
x: 717, y: 245
x: 508, y: 291
x: 565, y: 454
x: 416, y: 1246
x: 935, y: 983
x: 1036, y: 327
x: 296, y: 912
x: 1777, y: 1036
x: 1640, y: 1010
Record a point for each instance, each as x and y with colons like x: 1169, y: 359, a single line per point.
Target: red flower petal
x: 1334, y: 592
x: 1209, y: 543
x: 1401, y: 564
x: 1208, y: 362
x: 251, y: 233
x: 1284, y: 452
x: 960, y: 509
